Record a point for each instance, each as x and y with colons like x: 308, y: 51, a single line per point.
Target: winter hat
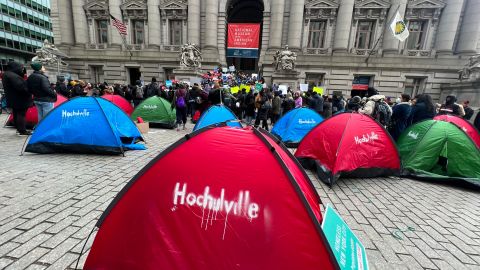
x: 37, y: 66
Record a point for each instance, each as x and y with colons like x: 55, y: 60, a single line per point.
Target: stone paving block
x: 410, y: 261
x: 7, y: 247
x: 62, y: 224
x: 9, y: 235
x: 53, y: 255
x: 420, y: 257
x: 36, y: 267
x: 65, y: 261
x: 4, y: 262
x: 58, y: 238
x: 27, y: 246
x: 35, y: 221
x: 27, y: 259
x: 441, y: 264
x: 426, y: 249
x: 40, y: 228
x: 459, y: 254
x: 452, y: 260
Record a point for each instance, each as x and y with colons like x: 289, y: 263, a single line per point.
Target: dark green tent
x: 439, y: 150
x: 157, y: 111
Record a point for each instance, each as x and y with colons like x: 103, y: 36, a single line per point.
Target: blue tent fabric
x: 294, y: 125
x: 86, y: 125
x: 215, y: 115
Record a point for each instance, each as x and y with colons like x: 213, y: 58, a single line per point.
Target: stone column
x: 448, y: 25
x: 194, y: 21
x: 211, y: 16
x: 297, y: 8
x: 62, y: 22
x: 344, y: 24
x: 276, y: 25
x: 154, y: 38
x: 114, y: 8
x: 79, y: 22
x: 469, y: 33
x: 390, y: 43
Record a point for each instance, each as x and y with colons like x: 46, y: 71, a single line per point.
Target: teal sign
x: 346, y: 247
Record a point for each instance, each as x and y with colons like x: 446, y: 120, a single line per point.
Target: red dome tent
x: 208, y: 216
x: 31, y: 118
x: 466, y: 126
x: 349, y: 143
x: 121, y: 102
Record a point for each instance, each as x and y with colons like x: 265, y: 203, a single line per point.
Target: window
x: 138, y: 32
x: 176, y: 32
x: 102, y: 31
x: 316, y: 35
x: 416, y: 39
x: 414, y: 86
x: 364, y: 35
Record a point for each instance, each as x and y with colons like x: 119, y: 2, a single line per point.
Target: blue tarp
x: 86, y: 125
x: 215, y: 115
x: 294, y: 125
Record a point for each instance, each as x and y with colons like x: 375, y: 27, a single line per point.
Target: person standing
x: 180, y: 104
x: 298, y: 100
x: 451, y: 107
x: 276, y: 106
x: 137, y: 92
x: 468, y: 111
x: 400, y: 116
x: 17, y: 95
x: 423, y: 108
x: 263, y: 104
x: 38, y: 85
x: 316, y: 103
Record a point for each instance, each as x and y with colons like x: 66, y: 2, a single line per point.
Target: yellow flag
x: 234, y: 89
x: 319, y: 90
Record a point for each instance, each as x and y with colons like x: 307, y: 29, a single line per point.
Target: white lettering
x: 310, y: 121
x: 412, y: 135
x: 150, y: 107
x: 366, y: 138
x: 77, y: 113
x: 177, y: 193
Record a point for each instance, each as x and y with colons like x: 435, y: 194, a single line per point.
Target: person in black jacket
x: 39, y: 86
x: 423, y: 109
x: 62, y: 89
x: 17, y: 95
x: 316, y: 103
x: 476, y: 122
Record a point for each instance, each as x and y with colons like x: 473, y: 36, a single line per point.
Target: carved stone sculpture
x: 285, y: 60
x: 190, y: 56
x: 471, y: 71
x: 48, y: 54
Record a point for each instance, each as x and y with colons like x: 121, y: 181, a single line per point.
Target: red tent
x: 193, y: 208
x: 32, y: 114
x: 120, y: 102
x: 352, y: 144
x: 466, y: 126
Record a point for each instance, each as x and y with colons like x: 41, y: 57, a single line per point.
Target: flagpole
x: 381, y: 35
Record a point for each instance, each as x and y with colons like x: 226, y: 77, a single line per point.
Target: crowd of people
x: 254, y: 103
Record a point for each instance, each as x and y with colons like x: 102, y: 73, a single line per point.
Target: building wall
x: 451, y: 34
x: 24, y: 25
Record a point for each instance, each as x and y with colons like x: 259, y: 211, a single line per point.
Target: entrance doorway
x: 245, y: 11
x: 134, y: 75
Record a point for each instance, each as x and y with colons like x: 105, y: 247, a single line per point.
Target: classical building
x: 24, y: 25
x: 340, y: 44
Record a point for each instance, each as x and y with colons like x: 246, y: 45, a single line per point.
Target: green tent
x: 157, y: 111
x: 439, y: 150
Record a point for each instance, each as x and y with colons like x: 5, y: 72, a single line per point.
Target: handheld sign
x: 348, y: 250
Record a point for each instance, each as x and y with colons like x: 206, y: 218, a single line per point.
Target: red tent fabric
x: 466, y: 126
x: 349, y: 143
x: 32, y: 114
x: 192, y: 208
x: 120, y: 102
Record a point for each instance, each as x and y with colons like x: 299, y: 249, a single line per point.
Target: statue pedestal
x: 187, y: 74
x: 463, y: 90
x: 286, y: 77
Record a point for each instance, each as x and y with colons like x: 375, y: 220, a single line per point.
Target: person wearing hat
x: 39, y: 86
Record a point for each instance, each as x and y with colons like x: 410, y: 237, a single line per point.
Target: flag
x: 399, y: 28
x: 121, y: 27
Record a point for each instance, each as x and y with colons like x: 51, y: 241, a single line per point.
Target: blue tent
x: 86, y: 125
x: 217, y: 114
x: 294, y: 125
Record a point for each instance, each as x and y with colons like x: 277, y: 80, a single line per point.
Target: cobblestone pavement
x: 49, y: 204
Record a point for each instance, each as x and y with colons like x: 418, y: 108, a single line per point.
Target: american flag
x: 121, y: 27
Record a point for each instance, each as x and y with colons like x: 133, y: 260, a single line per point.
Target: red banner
x: 243, y: 35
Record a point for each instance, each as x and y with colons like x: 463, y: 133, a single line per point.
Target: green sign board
x: 346, y: 247
x: 258, y: 87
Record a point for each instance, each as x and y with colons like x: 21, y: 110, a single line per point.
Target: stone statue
x: 190, y: 56
x: 48, y: 54
x: 285, y: 59
x: 471, y: 71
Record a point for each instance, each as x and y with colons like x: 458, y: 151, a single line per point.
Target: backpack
x: 139, y: 92
x: 382, y: 113
x: 180, y: 102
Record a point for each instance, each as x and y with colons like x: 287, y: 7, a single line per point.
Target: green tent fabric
x: 439, y: 150
x: 157, y: 111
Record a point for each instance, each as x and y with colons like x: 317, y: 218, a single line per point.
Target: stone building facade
x: 333, y: 39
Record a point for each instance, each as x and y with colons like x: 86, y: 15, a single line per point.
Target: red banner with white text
x: 243, y: 40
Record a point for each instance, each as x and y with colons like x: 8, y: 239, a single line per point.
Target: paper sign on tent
x: 347, y: 248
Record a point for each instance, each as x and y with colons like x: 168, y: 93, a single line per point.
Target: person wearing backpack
x: 377, y: 108
x: 264, y: 105
x: 152, y: 89
x: 137, y: 93
x: 180, y: 104
x: 400, y: 116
